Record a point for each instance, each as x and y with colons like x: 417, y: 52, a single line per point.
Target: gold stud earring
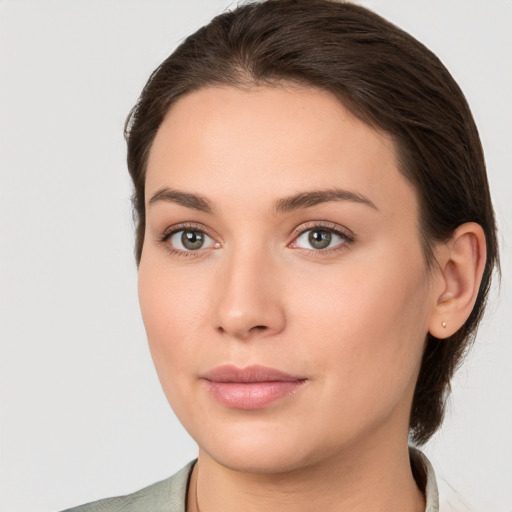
x: 443, y: 323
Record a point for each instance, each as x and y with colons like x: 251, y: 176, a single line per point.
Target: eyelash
x: 169, y: 232
x: 344, y: 234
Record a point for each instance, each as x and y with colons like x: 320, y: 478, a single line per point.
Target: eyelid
x: 323, y: 224
x: 346, y: 234
x: 187, y: 226
x: 341, y: 231
x: 184, y: 226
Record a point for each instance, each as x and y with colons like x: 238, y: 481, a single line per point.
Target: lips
x: 253, y: 387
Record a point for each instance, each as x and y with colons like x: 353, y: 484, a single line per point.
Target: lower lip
x: 252, y: 395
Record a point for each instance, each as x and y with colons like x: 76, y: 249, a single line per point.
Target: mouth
x: 253, y: 387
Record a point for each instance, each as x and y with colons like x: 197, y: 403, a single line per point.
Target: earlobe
x: 461, y: 263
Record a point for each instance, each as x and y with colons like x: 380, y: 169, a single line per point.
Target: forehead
x: 261, y: 142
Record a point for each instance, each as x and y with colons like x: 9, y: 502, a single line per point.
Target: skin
x: 350, y: 320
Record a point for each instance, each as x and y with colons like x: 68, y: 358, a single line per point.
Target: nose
x: 248, y: 300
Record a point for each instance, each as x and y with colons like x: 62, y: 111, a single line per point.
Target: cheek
x: 366, y: 323
x: 173, y: 310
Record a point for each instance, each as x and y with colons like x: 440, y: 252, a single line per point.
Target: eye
x: 320, y: 238
x: 187, y: 240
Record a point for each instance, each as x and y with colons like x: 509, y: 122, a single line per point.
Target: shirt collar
x: 426, y: 478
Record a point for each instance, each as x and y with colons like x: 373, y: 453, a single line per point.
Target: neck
x: 375, y: 478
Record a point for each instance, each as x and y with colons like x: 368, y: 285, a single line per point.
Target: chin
x: 264, y: 448
x: 258, y: 459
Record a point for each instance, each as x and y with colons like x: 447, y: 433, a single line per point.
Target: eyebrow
x: 315, y: 197
x: 283, y: 205
x: 194, y: 201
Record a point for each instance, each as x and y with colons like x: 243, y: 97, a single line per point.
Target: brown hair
x: 387, y: 79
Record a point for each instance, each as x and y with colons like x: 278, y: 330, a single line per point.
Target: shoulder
x: 165, y: 496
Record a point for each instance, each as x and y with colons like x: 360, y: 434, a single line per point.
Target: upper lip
x: 249, y: 374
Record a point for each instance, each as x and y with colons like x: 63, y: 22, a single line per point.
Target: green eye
x: 320, y: 238
x: 190, y: 240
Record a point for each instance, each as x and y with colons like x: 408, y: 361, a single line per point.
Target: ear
x: 461, y: 263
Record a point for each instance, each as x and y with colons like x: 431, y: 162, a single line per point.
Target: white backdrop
x: 82, y: 415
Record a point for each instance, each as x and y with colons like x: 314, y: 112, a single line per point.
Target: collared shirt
x: 427, y: 479
x: 170, y: 495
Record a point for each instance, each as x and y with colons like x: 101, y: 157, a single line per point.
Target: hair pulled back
x: 384, y: 77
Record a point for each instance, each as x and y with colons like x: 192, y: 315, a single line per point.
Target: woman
x: 315, y: 241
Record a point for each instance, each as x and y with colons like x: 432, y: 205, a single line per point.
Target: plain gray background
x: 82, y: 414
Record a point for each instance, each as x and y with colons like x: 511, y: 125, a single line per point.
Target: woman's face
x: 282, y: 281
